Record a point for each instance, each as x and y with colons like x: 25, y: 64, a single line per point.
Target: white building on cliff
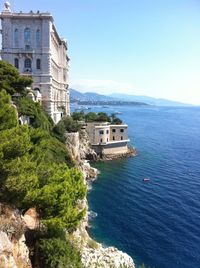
x: 31, y: 43
x: 108, y: 139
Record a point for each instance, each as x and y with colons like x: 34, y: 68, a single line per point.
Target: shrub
x: 58, y: 253
x: 11, y: 80
x: 67, y: 124
x: 38, y: 117
x: 8, y: 113
x: 78, y: 116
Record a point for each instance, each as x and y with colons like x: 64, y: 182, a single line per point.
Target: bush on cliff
x: 67, y: 124
x: 48, y: 149
x: 38, y: 117
x: 56, y: 252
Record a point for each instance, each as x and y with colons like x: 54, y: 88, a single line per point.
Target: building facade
x: 108, y: 139
x: 31, y: 43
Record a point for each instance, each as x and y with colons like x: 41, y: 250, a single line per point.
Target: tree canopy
x: 10, y: 79
x: 8, y: 113
x: 96, y: 117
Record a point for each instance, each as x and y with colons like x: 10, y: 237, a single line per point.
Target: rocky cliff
x: 13, y: 250
x: 93, y: 254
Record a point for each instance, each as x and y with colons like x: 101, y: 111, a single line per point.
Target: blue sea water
x: 157, y: 223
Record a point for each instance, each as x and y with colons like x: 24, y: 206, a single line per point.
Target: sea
x: 156, y: 223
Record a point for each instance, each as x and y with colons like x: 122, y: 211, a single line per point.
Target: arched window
x: 38, y: 64
x: 27, y: 36
x: 27, y: 63
x: 38, y: 38
x: 16, y: 38
x: 16, y: 63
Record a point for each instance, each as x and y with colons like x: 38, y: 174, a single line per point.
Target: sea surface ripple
x: 157, y: 223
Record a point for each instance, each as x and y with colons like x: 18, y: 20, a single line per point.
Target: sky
x: 138, y: 47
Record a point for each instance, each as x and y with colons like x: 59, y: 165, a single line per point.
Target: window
x: 122, y: 138
x: 107, y: 131
x: 16, y: 38
x: 101, y: 140
x: 113, y: 138
x: 38, y: 38
x: 27, y: 36
x: 38, y: 64
x: 121, y: 130
x: 27, y: 47
x: 113, y: 130
x: 27, y: 63
x: 101, y: 132
x: 16, y: 63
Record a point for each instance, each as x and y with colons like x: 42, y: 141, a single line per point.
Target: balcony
x: 27, y: 71
x: 26, y: 49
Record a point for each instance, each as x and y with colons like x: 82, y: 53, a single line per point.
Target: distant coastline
x: 109, y: 103
x: 92, y: 98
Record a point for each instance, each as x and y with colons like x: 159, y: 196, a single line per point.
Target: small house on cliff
x: 108, y: 139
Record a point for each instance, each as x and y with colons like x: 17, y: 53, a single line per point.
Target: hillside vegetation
x: 36, y: 170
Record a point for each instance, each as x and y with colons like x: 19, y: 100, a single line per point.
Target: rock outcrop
x: 13, y: 250
x: 106, y: 258
x: 86, y: 152
x: 31, y: 219
x: 94, y: 255
x: 79, y: 146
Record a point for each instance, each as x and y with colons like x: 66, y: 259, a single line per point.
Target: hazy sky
x: 142, y: 47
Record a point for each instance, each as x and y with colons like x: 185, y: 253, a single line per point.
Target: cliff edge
x: 93, y: 254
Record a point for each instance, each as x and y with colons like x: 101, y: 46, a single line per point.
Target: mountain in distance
x: 148, y: 100
x: 119, y: 99
x: 91, y: 98
x: 75, y: 95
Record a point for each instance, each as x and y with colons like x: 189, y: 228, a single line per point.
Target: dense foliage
x: 36, y: 171
x: 67, y: 124
x: 8, y: 113
x: 64, y: 256
x: 38, y: 117
x: 96, y: 117
x: 11, y: 81
x: 30, y: 176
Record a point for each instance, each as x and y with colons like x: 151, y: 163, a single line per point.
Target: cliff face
x: 13, y: 250
x: 79, y: 146
x: 93, y: 254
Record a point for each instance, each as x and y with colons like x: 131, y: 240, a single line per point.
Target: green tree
x: 91, y: 117
x: 78, y: 116
x: 38, y: 117
x: 67, y: 124
x: 103, y: 117
x: 11, y: 80
x: 116, y: 121
x: 48, y: 149
x: 58, y: 253
x: 8, y: 113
